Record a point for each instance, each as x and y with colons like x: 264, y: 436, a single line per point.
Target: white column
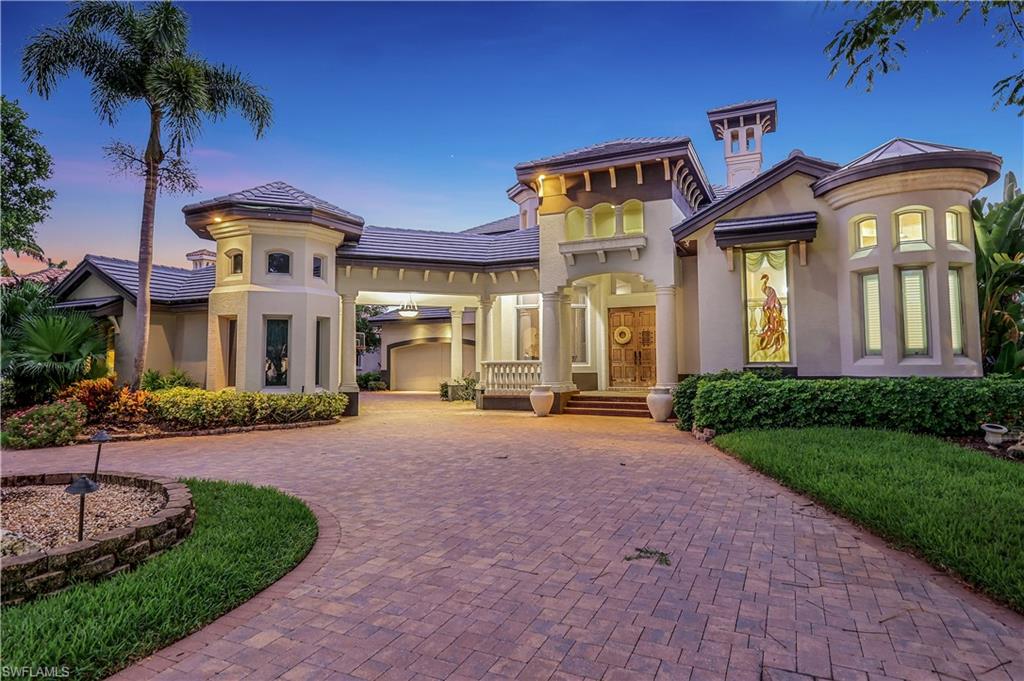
x: 565, y: 356
x: 348, y: 343
x: 550, y: 347
x: 665, y: 336
x: 588, y: 223
x: 456, y: 344
x: 483, y: 333
x: 619, y: 229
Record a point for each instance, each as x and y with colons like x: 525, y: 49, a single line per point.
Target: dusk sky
x: 412, y: 115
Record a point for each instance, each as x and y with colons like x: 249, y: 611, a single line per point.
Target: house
x: 623, y: 268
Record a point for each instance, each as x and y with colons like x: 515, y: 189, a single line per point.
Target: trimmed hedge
x: 936, y: 406
x: 686, y: 391
x: 44, y: 426
x: 198, y: 408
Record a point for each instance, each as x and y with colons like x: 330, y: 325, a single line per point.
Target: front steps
x: 608, y: 405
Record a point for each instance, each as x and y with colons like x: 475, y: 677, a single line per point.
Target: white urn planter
x: 994, y: 433
x: 659, y: 403
x: 541, y: 399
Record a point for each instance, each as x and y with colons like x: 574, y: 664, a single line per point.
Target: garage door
x: 423, y: 367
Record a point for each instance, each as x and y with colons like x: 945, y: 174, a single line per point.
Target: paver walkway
x: 460, y: 544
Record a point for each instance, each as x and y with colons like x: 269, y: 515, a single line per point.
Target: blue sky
x: 413, y: 115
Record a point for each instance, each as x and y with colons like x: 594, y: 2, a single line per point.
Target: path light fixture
x: 81, y: 486
x: 994, y: 433
x: 99, y: 438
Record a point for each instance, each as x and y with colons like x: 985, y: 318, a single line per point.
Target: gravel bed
x: 48, y: 516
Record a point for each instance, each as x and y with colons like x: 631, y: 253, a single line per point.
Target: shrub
x: 129, y: 406
x: 686, y: 391
x: 937, y: 406
x: 464, y: 390
x: 365, y: 379
x: 96, y: 394
x: 152, y: 379
x: 201, y: 409
x: 376, y: 385
x: 44, y: 426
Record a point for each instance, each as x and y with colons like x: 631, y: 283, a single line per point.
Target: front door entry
x: 631, y: 347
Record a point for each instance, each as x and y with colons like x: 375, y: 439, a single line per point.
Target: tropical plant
x: 872, y: 44
x: 999, y: 254
x: 56, y: 349
x: 139, y: 54
x: 25, y: 299
x: 152, y: 379
x: 26, y: 164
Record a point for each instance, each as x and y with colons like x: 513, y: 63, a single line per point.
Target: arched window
x: 910, y: 226
x: 955, y: 225
x: 279, y: 262
x: 604, y: 220
x: 574, y: 224
x: 750, y: 139
x: 235, y: 261
x: 734, y: 142
x: 866, y: 233
x: 633, y: 217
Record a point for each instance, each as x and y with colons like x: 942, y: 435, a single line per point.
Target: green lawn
x: 245, y: 538
x: 959, y: 509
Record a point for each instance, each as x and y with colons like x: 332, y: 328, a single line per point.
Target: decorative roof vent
x: 201, y: 258
x: 741, y: 127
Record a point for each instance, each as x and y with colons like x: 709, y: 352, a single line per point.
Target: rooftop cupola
x: 201, y: 258
x: 741, y: 127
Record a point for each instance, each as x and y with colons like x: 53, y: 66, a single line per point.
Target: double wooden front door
x: 631, y: 347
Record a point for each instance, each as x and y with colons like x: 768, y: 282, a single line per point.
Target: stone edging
x: 132, y: 437
x: 103, y: 555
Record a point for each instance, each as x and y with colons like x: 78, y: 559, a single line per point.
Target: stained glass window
x: 275, y: 366
x: 766, y: 287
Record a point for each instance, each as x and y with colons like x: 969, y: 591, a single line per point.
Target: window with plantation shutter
x: 956, y: 312
x: 872, y: 314
x: 952, y: 225
x: 915, y: 314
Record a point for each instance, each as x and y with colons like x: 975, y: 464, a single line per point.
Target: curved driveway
x: 460, y: 544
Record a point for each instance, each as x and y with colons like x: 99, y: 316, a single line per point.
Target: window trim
x: 280, y: 251
x: 858, y: 244
x: 231, y: 255
x: 907, y: 351
x: 585, y: 306
x: 959, y: 226
x: 956, y: 274
x: 924, y: 226
x: 866, y: 351
x: 526, y: 306
x: 323, y: 266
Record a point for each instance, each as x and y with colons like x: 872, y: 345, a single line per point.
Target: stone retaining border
x: 103, y: 555
x: 132, y: 437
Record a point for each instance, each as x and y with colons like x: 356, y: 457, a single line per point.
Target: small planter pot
x: 659, y: 403
x: 541, y: 399
x: 994, y: 433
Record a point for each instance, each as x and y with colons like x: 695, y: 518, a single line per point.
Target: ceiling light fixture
x: 409, y: 309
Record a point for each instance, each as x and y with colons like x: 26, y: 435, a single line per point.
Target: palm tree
x: 141, y: 54
x: 56, y: 349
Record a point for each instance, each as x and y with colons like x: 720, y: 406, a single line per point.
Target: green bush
x: 936, y: 406
x: 44, y: 426
x: 371, y: 380
x: 464, y: 390
x: 686, y: 392
x: 201, y: 409
x: 152, y: 379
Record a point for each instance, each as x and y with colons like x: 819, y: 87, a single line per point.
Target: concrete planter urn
x: 541, y: 399
x: 994, y: 433
x: 659, y: 403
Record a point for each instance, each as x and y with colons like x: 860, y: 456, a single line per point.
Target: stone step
x: 591, y: 411
x: 628, y: 399
x: 599, y: 403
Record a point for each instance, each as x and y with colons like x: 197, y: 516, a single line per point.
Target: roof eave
x: 200, y: 216
x: 983, y: 161
x: 597, y: 160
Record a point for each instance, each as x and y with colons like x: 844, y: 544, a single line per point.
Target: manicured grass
x: 959, y: 509
x: 245, y: 538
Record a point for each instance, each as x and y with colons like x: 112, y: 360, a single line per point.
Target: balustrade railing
x: 510, y: 377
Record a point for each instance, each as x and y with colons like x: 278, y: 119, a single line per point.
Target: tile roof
x: 167, y: 284
x: 620, y: 146
x: 50, y: 276
x: 521, y: 246
x: 274, y: 195
x: 741, y: 105
x: 432, y: 314
x: 899, y: 146
x: 501, y: 226
x: 766, y: 228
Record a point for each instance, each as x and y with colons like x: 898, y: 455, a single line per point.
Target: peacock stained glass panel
x: 767, y: 306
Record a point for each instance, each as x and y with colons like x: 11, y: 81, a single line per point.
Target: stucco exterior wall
x: 190, y: 344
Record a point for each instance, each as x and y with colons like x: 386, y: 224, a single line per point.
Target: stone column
x: 619, y: 229
x: 565, y: 356
x: 483, y: 334
x: 665, y: 336
x: 456, y: 362
x: 588, y: 223
x: 551, y: 348
x: 348, y: 353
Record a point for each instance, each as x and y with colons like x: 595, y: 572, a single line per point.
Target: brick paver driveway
x: 466, y: 544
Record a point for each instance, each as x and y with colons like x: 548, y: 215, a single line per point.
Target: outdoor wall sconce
x: 82, y: 486
x: 994, y: 433
x: 99, y: 438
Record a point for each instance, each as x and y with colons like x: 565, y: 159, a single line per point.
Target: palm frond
x: 164, y: 27
x: 178, y: 87
x: 229, y: 89
x: 118, y: 18
x: 55, y: 53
